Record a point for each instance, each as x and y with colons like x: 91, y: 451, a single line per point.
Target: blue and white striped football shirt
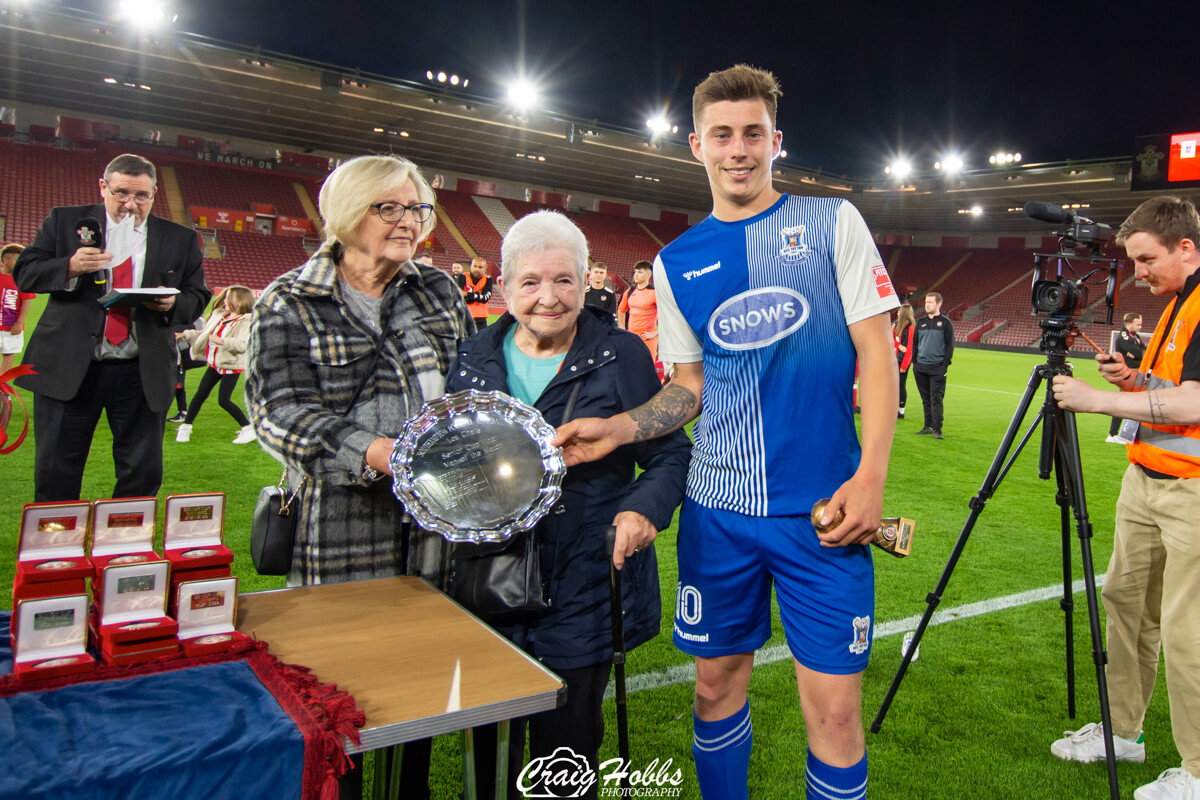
x: 765, y: 304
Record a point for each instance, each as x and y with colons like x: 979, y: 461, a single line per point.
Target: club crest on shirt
x: 862, y: 630
x: 794, y: 249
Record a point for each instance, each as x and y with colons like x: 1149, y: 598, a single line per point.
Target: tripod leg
x: 1072, y: 468
x: 977, y: 504
x: 1067, y: 604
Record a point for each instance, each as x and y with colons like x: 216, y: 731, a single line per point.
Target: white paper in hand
x: 122, y: 241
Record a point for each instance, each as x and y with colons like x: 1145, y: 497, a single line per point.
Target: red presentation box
x: 53, y: 541
x: 23, y: 590
x: 149, y: 650
x: 125, y: 633
x: 49, y: 638
x: 193, y: 531
x: 207, y: 613
x: 211, y: 643
x: 123, y: 532
x: 187, y: 575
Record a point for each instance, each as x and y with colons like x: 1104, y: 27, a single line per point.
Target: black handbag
x: 506, y: 581
x: 273, y: 527
x: 503, y: 582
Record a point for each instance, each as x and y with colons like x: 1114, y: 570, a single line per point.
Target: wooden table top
x: 416, y: 662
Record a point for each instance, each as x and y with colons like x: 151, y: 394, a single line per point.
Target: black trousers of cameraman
x: 931, y: 383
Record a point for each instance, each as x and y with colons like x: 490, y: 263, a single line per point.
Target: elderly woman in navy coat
x: 547, y: 348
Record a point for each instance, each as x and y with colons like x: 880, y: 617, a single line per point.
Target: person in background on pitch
x: 599, y: 294
x: 119, y: 362
x: 903, y: 330
x: 640, y: 302
x: 222, y: 345
x: 14, y: 306
x: 935, y: 349
x: 769, y: 397
x: 1132, y: 349
x: 477, y: 288
x: 1152, y: 590
x: 459, y: 277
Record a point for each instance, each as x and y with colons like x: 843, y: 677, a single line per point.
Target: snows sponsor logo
x: 696, y: 273
x: 757, y: 318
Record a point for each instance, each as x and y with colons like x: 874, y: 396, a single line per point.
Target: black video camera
x: 1055, y: 295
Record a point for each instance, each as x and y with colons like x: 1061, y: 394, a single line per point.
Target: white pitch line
x: 686, y: 673
x: 978, y: 389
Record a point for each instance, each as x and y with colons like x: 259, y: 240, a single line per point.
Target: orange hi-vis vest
x: 478, y: 310
x: 1170, y: 449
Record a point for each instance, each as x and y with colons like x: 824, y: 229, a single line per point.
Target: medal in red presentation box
x: 50, y: 638
x: 131, y: 611
x: 193, y: 526
x: 122, y: 534
x: 51, y: 549
x: 206, y: 612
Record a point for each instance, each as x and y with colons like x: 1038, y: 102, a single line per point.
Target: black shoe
x: 938, y: 435
x: 924, y: 431
x: 180, y: 417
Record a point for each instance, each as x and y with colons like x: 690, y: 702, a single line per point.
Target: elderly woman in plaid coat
x: 313, y: 343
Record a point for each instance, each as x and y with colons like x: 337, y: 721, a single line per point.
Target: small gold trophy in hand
x: 893, y: 536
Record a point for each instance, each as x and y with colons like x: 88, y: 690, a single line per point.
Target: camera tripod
x: 1060, y: 455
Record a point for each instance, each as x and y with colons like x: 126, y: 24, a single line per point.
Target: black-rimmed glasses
x: 122, y: 196
x: 394, y: 212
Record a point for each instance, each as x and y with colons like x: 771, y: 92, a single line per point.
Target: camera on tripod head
x: 1056, y: 295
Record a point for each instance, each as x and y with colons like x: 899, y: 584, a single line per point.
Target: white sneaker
x: 245, y: 435
x: 1114, y: 440
x: 184, y: 434
x: 1087, y: 745
x: 1173, y: 784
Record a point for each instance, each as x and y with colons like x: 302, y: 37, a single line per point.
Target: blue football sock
x: 722, y: 753
x: 823, y: 782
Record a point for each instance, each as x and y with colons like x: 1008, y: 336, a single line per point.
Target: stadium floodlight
x: 1000, y: 158
x: 899, y: 169
x: 783, y: 153
x: 950, y: 165
x: 976, y: 210
x: 147, y: 14
x: 523, y: 95
x: 660, y: 126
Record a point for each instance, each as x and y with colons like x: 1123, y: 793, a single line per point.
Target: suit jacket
x: 61, y: 346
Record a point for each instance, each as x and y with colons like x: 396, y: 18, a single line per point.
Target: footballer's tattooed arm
x: 667, y: 411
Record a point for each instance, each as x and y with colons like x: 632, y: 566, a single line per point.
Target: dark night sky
x: 860, y: 80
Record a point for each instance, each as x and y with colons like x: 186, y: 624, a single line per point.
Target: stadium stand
x: 474, y: 225
x: 36, y: 178
x: 252, y: 259
x: 236, y: 189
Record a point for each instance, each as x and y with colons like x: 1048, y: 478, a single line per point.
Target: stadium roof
x: 212, y: 87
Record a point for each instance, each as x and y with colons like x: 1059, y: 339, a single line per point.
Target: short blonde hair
x: 537, y: 232
x: 348, y: 192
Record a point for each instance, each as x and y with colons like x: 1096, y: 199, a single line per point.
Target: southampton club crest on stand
x: 794, y: 249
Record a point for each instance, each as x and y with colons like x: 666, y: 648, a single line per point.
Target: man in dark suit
x: 119, y: 361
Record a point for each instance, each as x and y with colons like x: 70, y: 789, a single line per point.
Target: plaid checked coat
x: 306, y: 356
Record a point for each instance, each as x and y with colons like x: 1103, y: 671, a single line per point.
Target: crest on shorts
x: 862, y: 632
x: 794, y: 249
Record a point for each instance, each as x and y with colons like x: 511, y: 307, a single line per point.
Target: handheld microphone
x: 91, y: 234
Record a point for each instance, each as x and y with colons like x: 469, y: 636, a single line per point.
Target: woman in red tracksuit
x: 902, y: 332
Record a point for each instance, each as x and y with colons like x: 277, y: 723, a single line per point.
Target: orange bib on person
x: 1170, y: 449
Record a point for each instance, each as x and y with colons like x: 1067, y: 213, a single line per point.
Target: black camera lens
x: 1062, y: 297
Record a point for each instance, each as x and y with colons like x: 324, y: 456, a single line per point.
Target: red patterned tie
x: 116, y: 327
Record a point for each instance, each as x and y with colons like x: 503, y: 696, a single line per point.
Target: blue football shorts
x: 727, y: 565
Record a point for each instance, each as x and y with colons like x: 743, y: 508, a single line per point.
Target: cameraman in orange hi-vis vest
x: 478, y: 290
x: 1152, y: 590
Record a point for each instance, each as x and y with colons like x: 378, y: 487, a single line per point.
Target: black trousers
x: 577, y: 724
x: 903, y: 387
x: 227, y: 383
x: 63, y: 430
x: 414, y: 773
x: 932, y: 386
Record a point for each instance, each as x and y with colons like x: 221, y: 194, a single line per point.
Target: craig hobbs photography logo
x: 565, y: 773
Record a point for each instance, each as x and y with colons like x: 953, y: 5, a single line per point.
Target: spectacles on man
x: 394, y: 212
x: 122, y: 196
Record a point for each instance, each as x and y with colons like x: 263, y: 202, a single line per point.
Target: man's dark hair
x: 642, y: 265
x: 130, y: 164
x: 1169, y: 218
x: 740, y: 82
x: 1131, y: 316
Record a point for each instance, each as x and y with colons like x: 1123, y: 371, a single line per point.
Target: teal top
x: 528, y: 377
